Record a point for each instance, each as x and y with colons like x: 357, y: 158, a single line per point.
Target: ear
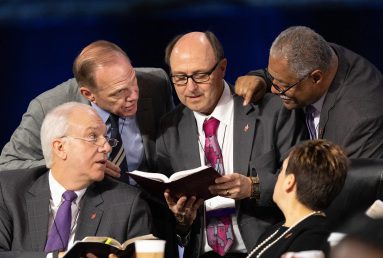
x: 87, y: 94
x: 289, y: 183
x: 58, y: 149
x: 223, y: 66
x: 317, y: 76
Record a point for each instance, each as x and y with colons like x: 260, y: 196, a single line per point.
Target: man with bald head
x: 245, y: 144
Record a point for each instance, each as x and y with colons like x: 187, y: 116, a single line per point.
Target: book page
x: 132, y: 240
x: 185, y: 173
x: 103, y: 239
x: 155, y: 176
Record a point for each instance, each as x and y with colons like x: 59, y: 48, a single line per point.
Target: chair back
x: 364, y: 185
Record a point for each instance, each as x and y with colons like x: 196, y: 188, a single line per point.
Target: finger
x: 90, y: 255
x: 112, y: 256
x: 190, y: 202
x: 198, y: 204
x: 223, y: 179
x: 247, y: 97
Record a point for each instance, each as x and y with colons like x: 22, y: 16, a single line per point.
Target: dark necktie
x: 118, y: 156
x: 220, y: 236
x: 310, y: 114
x: 58, y: 236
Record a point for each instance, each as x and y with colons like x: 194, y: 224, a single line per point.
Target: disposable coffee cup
x: 150, y: 248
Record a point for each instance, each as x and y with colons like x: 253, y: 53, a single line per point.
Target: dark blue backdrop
x: 36, y: 52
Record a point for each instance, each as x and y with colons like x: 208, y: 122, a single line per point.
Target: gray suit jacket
x: 352, y: 112
x: 108, y: 208
x: 24, y: 148
x: 272, y: 130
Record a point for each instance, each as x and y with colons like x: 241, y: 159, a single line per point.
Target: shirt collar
x: 57, y: 191
x: 220, y: 111
x: 319, y: 103
x: 105, y: 114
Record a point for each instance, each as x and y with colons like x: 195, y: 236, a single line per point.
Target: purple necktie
x: 310, y: 114
x: 58, y: 236
x: 219, y: 230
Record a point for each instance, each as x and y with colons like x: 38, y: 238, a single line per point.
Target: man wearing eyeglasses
x: 339, y: 91
x: 247, y: 148
x: 43, y: 210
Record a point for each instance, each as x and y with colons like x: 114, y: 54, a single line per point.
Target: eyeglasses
x: 182, y: 79
x: 99, y: 141
x: 270, y: 78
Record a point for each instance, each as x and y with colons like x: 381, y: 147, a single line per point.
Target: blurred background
x: 39, y: 39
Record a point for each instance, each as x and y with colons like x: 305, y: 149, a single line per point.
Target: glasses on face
x: 182, y: 79
x: 98, y: 141
x: 271, y: 79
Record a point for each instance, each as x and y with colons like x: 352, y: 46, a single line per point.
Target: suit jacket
x: 108, y: 208
x: 352, y: 113
x: 24, y: 148
x: 271, y: 131
x: 310, y: 234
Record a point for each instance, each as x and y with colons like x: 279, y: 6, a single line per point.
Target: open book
x: 188, y: 182
x: 103, y: 246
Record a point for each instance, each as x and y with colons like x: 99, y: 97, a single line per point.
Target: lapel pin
x: 93, y: 216
x: 246, y: 128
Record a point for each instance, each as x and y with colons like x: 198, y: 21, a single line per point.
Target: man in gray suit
x: 339, y: 89
x: 252, y: 141
x: 106, y: 80
x: 75, y: 148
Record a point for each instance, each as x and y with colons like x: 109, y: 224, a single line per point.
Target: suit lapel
x: 189, y: 137
x: 37, y: 204
x: 331, y: 96
x: 90, y: 214
x: 244, y: 133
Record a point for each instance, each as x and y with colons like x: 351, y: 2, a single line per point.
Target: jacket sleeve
x: 24, y: 148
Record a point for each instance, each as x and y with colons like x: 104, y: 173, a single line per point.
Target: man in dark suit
x: 106, y: 80
x: 75, y: 149
x: 251, y: 140
x: 340, y: 90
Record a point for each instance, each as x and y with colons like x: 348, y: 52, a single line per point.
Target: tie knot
x: 69, y: 196
x: 113, y: 119
x: 210, y: 126
x: 310, y: 109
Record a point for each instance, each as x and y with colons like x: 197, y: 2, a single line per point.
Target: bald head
x: 198, y: 67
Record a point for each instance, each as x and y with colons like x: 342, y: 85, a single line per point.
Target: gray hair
x: 304, y: 49
x: 56, y: 125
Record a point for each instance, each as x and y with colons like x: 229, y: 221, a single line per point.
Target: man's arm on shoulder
x: 252, y: 86
x: 24, y: 148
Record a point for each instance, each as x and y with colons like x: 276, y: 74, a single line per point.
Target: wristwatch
x: 255, y: 192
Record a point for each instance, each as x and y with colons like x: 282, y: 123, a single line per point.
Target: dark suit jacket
x: 272, y: 130
x: 310, y: 234
x: 24, y: 148
x: 108, y: 208
x: 352, y: 112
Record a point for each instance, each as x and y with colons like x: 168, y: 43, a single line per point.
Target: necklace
x: 263, y: 244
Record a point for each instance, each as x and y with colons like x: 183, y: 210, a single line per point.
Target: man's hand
x: 250, y: 87
x: 112, y: 169
x: 235, y: 186
x: 184, y: 209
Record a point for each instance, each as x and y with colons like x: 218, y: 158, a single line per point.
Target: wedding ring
x: 227, y: 192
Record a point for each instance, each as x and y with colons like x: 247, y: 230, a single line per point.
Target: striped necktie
x: 118, y: 155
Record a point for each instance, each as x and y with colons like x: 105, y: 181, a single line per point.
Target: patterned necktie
x: 118, y: 156
x: 58, y: 236
x: 310, y: 114
x: 219, y: 230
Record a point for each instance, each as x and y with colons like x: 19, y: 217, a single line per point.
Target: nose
x: 191, y: 85
x: 106, y: 148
